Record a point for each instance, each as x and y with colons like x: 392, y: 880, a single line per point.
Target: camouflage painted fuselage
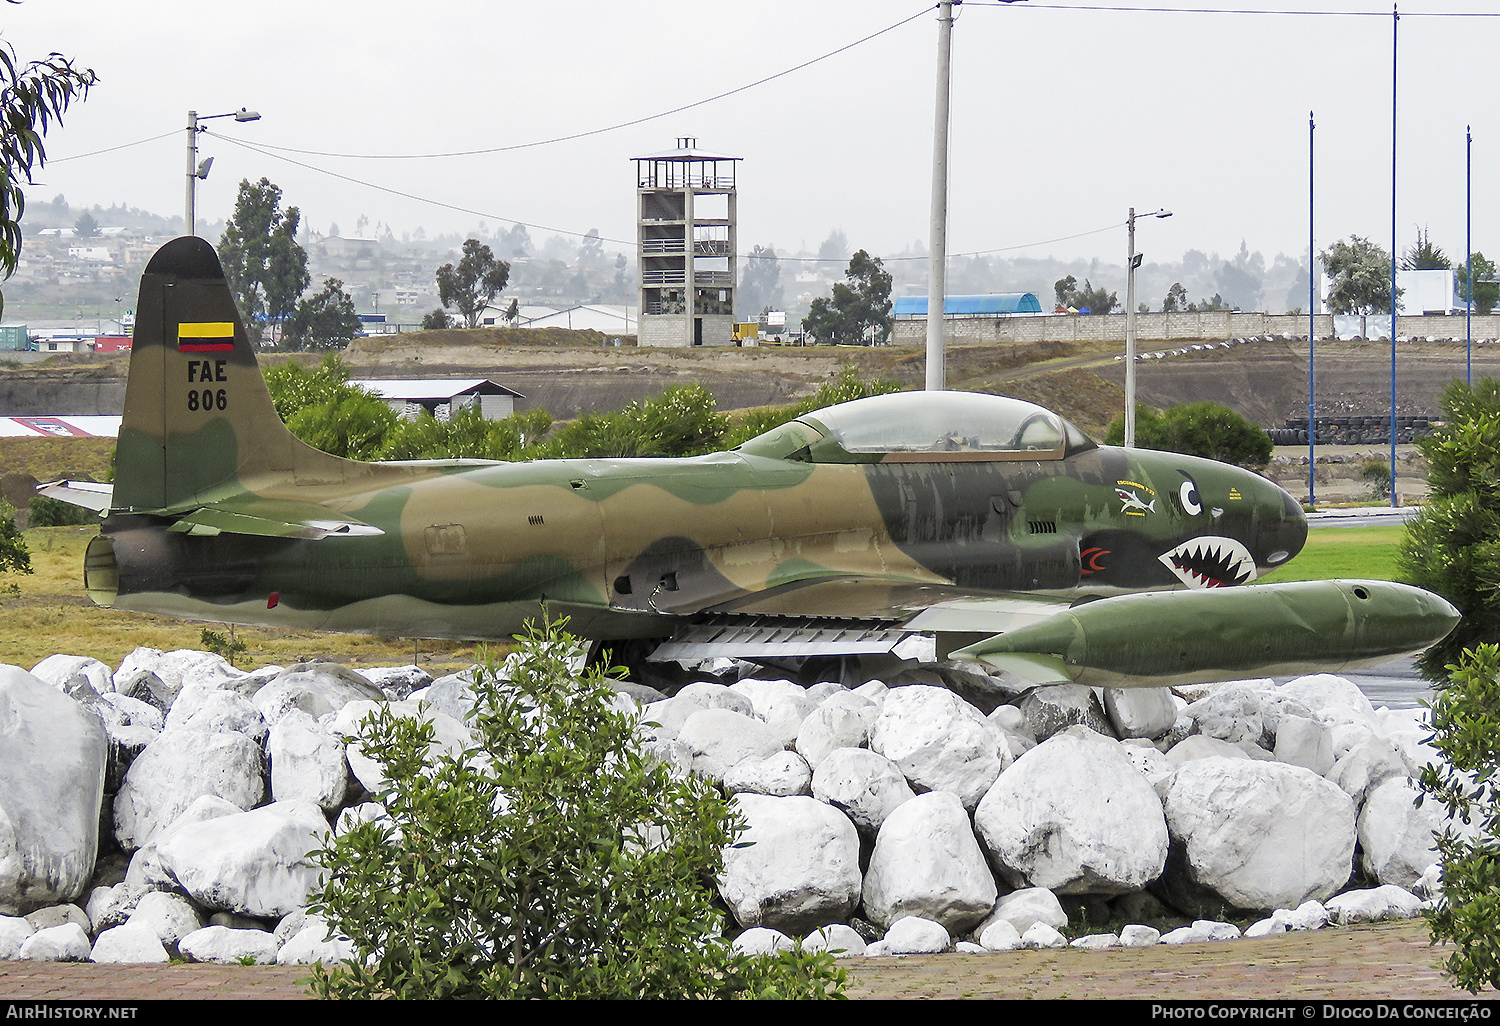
x: 219, y: 513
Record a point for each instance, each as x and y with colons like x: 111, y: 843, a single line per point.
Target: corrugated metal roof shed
x: 971, y: 306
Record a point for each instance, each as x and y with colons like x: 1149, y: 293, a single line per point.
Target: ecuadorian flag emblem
x: 205, y: 337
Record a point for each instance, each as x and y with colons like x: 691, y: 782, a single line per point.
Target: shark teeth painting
x: 1210, y: 562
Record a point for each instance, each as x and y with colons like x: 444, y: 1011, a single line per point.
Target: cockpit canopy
x: 925, y: 427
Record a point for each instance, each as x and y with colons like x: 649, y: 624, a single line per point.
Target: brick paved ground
x: 1373, y: 962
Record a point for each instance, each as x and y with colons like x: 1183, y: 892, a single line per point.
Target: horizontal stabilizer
x: 87, y: 494
x: 272, y: 519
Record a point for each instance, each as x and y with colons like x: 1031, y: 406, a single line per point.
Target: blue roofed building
x: 993, y: 305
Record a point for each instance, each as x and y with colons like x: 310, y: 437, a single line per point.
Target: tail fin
x: 199, y: 424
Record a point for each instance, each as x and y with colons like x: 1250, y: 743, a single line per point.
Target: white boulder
x: 927, y: 863
x: 800, y: 868
x: 1074, y: 816
x: 256, y: 863
x: 53, y: 757
x: 939, y: 742
x: 1257, y: 835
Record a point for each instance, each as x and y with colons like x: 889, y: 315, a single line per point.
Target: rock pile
x: 167, y: 807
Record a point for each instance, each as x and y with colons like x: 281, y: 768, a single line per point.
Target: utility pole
x: 937, y: 257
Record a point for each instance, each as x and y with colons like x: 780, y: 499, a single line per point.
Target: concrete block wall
x: 1168, y: 327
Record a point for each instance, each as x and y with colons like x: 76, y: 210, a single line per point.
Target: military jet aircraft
x: 966, y: 516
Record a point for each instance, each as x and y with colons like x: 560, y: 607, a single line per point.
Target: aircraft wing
x: 851, y: 616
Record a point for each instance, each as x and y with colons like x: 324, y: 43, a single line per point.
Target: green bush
x: 1205, y: 429
x: 1466, y: 730
x: 551, y: 859
x: 1452, y: 547
x: 45, y: 512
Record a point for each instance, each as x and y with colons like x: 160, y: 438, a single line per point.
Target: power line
x: 611, y: 128
x: 111, y: 149
x: 1232, y: 10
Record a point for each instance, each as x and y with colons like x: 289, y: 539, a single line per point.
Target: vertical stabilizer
x: 199, y: 423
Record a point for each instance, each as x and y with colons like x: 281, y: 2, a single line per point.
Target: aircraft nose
x: 1281, y: 533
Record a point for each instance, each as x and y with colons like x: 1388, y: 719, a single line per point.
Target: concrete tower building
x: 685, y: 239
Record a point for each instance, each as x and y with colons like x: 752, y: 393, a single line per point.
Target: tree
x: 1176, y: 298
x: 469, y: 286
x: 32, y: 97
x: 550, y: 857
x: 325, y: 321
x: 437, y: 320
x: 1202, y: 429
x: 1361, y: 274
x: 1423, y: 255
x: 86, y: 227
x: 1486, y: 288
x: 860, y: 304
x: 591, y: 250
x: 835, y: 247
x: 760, y: 284
x: 1453, y: 545
x: 1087, y: 299
x: 1466, y: 731
x: 266, y: 268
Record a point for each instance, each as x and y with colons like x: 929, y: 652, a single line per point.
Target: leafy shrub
x: 552, y: 858
x: 1210, y: 430
x: 1466, y: 730
x: 1452, y: 547
x: 45, y: 512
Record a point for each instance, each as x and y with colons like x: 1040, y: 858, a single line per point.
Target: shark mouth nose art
x: 1210, y: 562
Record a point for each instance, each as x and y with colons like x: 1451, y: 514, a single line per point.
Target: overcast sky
x: 1062, y: 118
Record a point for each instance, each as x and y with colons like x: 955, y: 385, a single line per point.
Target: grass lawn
x: 1363, y: 552
x: 52, y: 614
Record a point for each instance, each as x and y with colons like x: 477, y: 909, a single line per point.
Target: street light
x: 195, y: 170
x: 1131, y: 264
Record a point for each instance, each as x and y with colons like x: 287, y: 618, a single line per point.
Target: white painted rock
x: 220, y: 944
x: 312, y: 945
x: 1140, y: 712
x: 718, y: 738
x: 307, y: 763
x: 1302, y: 741
x: 1040, y: 935
x: 1397, y: 839
x: 670, y: 714
x: 1138, y: 936
x: 782, y: 774
x: 927, y: 863
x: 66, y: 673
x: 1074, y: 816
x: 316, y: 689
x: 781, y: 705
x: 450, y: 736
x: 1053, y: 709
x: 13, y: 933
x: 939, y: 742
x: 214, y: 709
x: 843, y: 941
x: 867, y: 787
x: 1096, y: 941
x: 1230, y: 713
x: 914, y: 935
x: 66, y: 943
x: 1000, y: 935
x: 127, y: 944
x: 53, y: 757
x: 801, y: 869
x: 1024, y: 907
x: 178, y: 767
x: 255, y: 863
x: 1257, y: 835
x: 168, y: 916
x: 837, y: 723
x: 1375, y: 903
x: 1310, y: 915
x: 758, y: 940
